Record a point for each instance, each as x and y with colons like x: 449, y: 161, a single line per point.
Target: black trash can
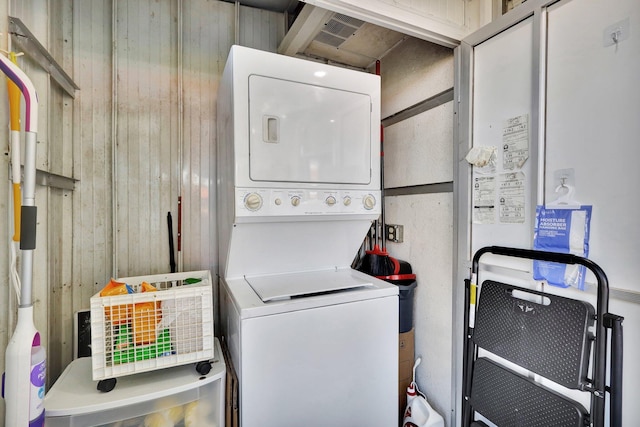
x: 405, y: 303
x: 406, y: 284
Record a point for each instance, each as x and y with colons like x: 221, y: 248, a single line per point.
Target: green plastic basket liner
x: 126, y: 352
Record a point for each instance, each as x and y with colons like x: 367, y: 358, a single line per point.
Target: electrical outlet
x: 395, y: 233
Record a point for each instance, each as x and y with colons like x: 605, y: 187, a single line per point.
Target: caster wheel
x: 203, y: 368
x: 107, y: 385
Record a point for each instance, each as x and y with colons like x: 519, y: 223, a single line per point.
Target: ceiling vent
x: 322, y: 35
x: 338, y: 29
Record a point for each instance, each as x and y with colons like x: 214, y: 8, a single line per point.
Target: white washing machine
x: 313, y: 342
x: 328, y: 358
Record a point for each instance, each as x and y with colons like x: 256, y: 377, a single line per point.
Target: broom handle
x: 383, y: 227
x: 382, y: 219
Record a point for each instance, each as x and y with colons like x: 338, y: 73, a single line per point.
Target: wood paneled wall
x: 140, y: 133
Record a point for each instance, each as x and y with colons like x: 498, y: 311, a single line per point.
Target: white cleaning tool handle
x: 18, y: 353
x: 415, y: 366
x: 17, y: 386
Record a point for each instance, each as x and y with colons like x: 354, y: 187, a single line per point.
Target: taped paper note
x: 482, y: 156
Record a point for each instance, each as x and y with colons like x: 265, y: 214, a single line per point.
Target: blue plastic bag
x: 564, y: 230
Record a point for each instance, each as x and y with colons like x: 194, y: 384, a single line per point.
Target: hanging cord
x: 13, y: 269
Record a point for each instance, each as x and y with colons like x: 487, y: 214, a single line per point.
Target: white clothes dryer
x: 313, y: 342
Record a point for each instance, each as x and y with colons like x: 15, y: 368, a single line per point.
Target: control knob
x: 253, y: 201
x: 369, y: 202
x: 330, y: 200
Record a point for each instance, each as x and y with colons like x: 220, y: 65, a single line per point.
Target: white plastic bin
x: 176, y: 396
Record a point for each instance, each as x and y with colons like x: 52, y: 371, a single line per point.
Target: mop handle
x: 28, y: 208
x: 14, y: 109
x: 25, y: 85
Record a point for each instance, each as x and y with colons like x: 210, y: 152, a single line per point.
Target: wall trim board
x: 413, y: 190
x: 48, y: 179
x: 624, y: 295
x: 513, y: 17
x: 420, y: 107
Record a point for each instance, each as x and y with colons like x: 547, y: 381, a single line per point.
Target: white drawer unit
x: 174, y: 396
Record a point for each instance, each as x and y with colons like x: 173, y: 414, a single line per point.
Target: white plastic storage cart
x: 177, y: 396
x: 167, y: 324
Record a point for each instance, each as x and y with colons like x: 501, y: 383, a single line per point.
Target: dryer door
x: 308, y: 134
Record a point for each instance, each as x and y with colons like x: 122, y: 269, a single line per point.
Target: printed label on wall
x: 511, y: 198
x: 515, y: 142
x: 484, y: 196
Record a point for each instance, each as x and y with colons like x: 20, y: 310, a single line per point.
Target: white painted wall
x: 428, y: 227
x: 418, y: 151
x: 403, y: 71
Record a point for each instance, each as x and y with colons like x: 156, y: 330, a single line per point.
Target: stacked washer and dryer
x: 313, y: 341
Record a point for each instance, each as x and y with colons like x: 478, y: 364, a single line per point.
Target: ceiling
x: 352, y: 42
x: 339, y: 39
x: 329, y: 37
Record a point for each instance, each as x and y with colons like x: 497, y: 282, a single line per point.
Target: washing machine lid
x: 291, y: 285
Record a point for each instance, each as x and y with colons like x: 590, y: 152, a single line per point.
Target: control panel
x: 255, y: 202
